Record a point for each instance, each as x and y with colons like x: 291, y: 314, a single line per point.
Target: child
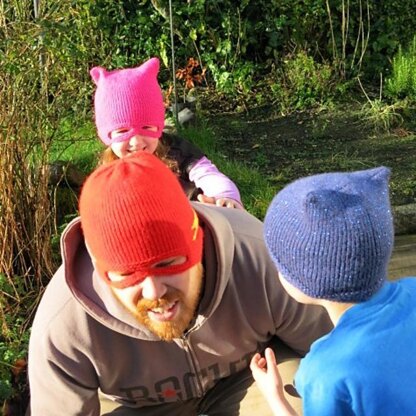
x: 130, y: 116
x: 331, y: 237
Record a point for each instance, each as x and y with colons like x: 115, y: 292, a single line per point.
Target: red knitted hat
x: 134, y: 214
x: 130, y: 99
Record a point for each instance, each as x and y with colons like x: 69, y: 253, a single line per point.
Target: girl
x: 130, y: 116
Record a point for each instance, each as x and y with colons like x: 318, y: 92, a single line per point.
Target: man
x: 159, y: 303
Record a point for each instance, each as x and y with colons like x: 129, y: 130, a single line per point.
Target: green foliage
x: 302, y: 83
x: 11, y: 351
x: 129, y: 31
x: 14, y: 336
x: 381, y: 116
x: 402, y: 82
x: 240, y: 81
x: 229, y: 40
x: 392, y: 24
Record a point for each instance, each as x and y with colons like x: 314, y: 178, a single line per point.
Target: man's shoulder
x: 239, y: 221
x: 57, y: 306
x: 229, y: 231
x: 232, y: 229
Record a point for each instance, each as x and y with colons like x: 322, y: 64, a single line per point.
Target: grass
x: 79, y: 146
x: 262, y: 153
x: 284, y: 149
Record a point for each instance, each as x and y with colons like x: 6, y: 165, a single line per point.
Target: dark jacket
x: 186, y: 154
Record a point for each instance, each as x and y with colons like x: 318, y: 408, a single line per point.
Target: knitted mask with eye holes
x: 128, y: 99
x: 134, y: 214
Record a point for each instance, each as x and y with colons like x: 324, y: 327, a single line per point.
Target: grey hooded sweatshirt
x: 83, y: 341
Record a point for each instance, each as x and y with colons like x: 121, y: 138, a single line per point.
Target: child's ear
x: 96, y: 73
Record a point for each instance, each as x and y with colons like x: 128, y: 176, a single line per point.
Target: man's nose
x: 153, y: 288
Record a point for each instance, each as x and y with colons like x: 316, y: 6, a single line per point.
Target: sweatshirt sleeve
x: 212, y: 182
x: 54, y: 390
x: 62, y: 378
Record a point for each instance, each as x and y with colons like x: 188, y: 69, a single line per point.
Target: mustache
x: 163, y: 302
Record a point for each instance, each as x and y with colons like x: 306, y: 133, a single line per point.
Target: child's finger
x: 206, y: 199
x: 220, y: 202
x: 254, y: 363
x: 272, y: 365
x: 227, y: 203
x: 262, y: 363
x: 270, y: 357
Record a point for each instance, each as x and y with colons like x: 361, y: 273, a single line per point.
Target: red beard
x: 167, y: 330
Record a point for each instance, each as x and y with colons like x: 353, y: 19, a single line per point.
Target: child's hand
x: 269, y: 381
x: 220, y: 202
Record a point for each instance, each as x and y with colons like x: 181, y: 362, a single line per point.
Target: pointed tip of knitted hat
x: 331, y: 235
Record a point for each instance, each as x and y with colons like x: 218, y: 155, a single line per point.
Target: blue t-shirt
x: 367, y: 364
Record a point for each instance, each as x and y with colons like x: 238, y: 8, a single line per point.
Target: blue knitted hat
x: 331, y: 235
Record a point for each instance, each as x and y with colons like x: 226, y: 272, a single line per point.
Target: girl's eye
x: 118, y: 132
x: 150, y: 128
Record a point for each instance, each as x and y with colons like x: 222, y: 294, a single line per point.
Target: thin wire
x: 175, y: 106
x: 36, y: 15
x: 36, y: 8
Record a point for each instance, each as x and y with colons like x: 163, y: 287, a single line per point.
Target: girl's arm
x: 217, y: 187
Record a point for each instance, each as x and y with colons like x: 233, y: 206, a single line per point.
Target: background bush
x: 238, y: 43
x: 402, y: 81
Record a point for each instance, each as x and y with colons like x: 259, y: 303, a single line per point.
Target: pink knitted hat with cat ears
x: 128, y: 99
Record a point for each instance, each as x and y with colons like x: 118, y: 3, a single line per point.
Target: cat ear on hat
x: 379, y: 176
x: 369, y: 182
x: 150, y: 67
x: 328, y: 203
x: 98, y: 73
x: 381, y: 173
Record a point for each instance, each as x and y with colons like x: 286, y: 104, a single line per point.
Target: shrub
x: 302, y: 83
x: 402, y: 82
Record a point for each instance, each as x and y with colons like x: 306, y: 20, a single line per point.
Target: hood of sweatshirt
x: 96, y: 298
